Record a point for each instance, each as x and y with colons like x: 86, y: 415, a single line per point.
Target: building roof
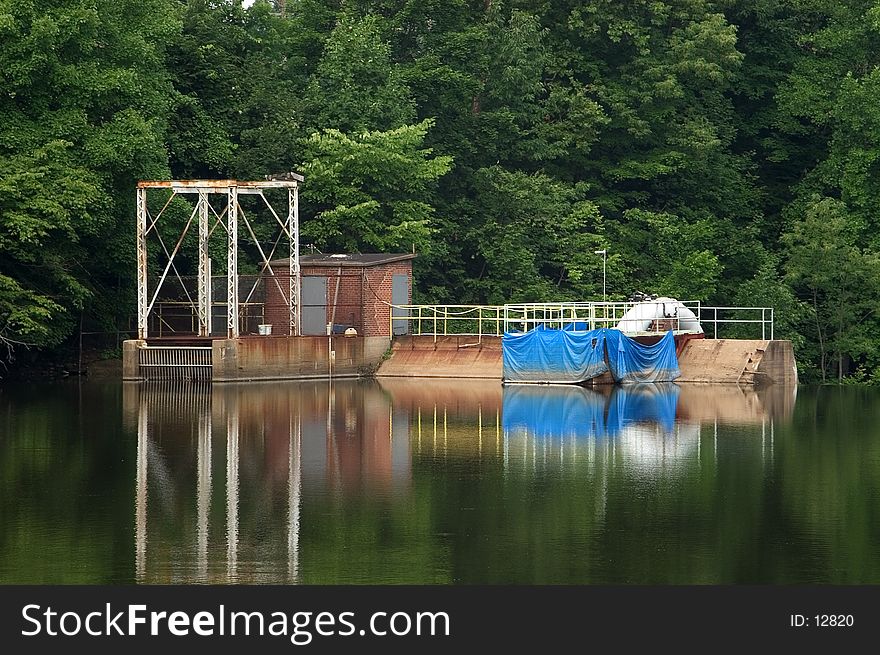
x: 355, y: 261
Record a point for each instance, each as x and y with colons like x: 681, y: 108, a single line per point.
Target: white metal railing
x: 715, y: 316
x: 495, y: 320
x: 441, y: 320
x: 593, y: 315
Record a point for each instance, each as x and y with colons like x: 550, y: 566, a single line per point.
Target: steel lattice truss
x: 228, y: 219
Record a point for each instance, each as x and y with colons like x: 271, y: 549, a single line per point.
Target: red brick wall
x: 275, y: 311
x: 349, y: 301
x: 360, y: 303
x: 377, y: 288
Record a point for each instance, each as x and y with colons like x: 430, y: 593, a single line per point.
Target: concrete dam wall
x: 731, y: 361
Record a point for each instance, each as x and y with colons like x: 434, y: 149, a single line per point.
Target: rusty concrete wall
x: 738, y: 361
x: 288, y: 358
x: 447, y: 357
x: 778, y: 365
x: 718, y: 360
x: 130, y: 359
x: 734, y: 361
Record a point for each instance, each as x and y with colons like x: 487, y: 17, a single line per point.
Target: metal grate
x: 175, y: 362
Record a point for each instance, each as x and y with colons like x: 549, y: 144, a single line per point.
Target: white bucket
x: 264, y: 329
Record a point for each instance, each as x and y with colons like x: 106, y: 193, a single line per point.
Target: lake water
x: 421, y: 481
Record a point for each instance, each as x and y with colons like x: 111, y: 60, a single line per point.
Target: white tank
x: 640, y: 317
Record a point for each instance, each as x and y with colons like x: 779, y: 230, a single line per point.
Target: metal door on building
x: 314, y: 305
x: 399, y: 296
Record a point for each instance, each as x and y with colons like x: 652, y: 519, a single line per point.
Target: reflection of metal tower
x: 294, y: 488
x: 154, y: 407
x: 140, y: 500
x: 203, y: 493
x: 232, y: 468
x: 228, y: 219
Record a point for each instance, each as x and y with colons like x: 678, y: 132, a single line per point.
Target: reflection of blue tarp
x: 631, y: 361
x: 573, y: 356
x: 643, y: 403
x: 553, y: 411
x: 565, y: 412
x: 553, y: 356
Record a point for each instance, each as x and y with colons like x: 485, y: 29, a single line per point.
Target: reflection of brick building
x: 346, y: 290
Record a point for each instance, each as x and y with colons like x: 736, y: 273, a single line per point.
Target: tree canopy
x: 720, y: 151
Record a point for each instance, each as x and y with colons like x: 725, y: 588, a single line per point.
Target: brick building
x: 345, y: 290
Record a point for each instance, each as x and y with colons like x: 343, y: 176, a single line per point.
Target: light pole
x: 604, y: 254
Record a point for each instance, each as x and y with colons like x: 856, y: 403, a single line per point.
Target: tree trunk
x: 839, y: 351
x: 819, y: 332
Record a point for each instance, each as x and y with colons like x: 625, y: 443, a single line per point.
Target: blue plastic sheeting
x: 553, y: 356
x: 643, y: 403
x: 555, y: 411
x: 631, y: 361
x: 564, y: 412
x: 576, y: 326
x: 571, y: 356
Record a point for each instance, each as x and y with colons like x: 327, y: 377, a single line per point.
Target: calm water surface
x: 437, y: 482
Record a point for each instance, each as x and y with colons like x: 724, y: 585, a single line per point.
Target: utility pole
x: 604, y: 254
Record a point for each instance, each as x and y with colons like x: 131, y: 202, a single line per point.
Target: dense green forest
x: 726, y: 151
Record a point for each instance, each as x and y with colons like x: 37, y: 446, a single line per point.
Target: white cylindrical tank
x: 640, y: 317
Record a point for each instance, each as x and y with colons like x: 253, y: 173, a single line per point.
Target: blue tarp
x: 571, y: 356
x: 549, y: 356
x: 557, y: 412
x: 631, y: 361
x: 577, y: 326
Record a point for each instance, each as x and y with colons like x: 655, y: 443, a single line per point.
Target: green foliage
x: 356, y: 87
x: 695, y: 276
x: 84, y: 102
x: 369, y: 191
x: 506, y: 141
x: 842, y: 279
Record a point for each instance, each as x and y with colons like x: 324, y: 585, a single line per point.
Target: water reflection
x: 268, y: 442
x: 638, y: 426
x: 233, y: 480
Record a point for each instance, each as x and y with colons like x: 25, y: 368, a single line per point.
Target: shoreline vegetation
x: 726, y: 151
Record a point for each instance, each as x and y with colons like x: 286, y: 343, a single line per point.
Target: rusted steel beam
x: 294, y: 290
x: 204, y: 309
x: 142, y: 310
x: 232, y: 264
x: 220, y: 186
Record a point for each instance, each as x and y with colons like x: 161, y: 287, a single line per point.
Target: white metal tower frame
x: 232, y: 189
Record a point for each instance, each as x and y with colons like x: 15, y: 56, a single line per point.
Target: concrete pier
x: 738, y: 361
x: 278, y: 358
x: 732, y: 361
x: 465, y: 356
